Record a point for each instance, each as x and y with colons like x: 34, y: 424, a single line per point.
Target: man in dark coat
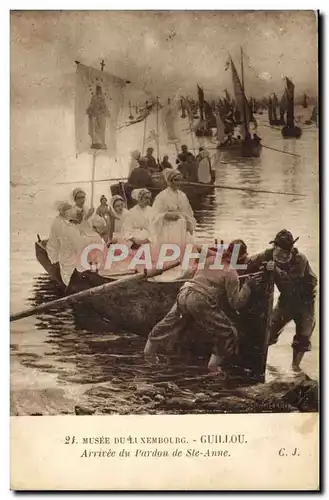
x: 140, y: 177
x: 297, y: 284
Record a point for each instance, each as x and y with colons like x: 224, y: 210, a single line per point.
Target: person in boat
x: 58, y: 226
x: 65, y: 243
x: 151, y: 163
x: 173, y: 218
x: 297, y: 284
x: 137, y: 223
x: 79, y: 197
x: 103, y: 209
x: 189, y: 168
x: 117, y: 212
x: 165, y: 163
x: 199, y: 157
x: 182, y: 156
x: 206, y: 301
x: 228, y: 140
x: 256, y: 138
x: 140, y: 177
x: 134, y: 161
x: 204, y: 167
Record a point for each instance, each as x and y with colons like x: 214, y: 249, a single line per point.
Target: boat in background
x: 207, y: 119
x: 290, y: 130
x: 273, y: 103
x: 248, y: 147
x: 305, y: 101
x: 314, y: 116
x: 193, y: 190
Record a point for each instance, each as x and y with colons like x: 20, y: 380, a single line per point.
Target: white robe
x: 137, y: 223
x: 172, y: 232
x: 204, y: 170
x: 170, y: 200
x: 64, y: 247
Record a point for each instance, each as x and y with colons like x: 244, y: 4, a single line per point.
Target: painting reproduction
x: 164, y: 183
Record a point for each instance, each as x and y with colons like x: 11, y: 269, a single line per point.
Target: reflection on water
x: 59, y: 364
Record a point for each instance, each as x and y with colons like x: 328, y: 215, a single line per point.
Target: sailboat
x: 207, y: 120
x: 305, y: 101
x: 273, y: 105
x: 290, y: 129
x: 314, y: 116
x: 246, y: 146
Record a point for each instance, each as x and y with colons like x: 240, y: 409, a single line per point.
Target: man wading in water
x: 205, y: 301
x: 296, y: 283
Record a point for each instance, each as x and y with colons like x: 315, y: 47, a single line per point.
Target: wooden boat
x: 272, y: 112
x: 314, y: 116
x: 247, y: 148
x: 290, y: 130
x: 207, y: 120
x: 203, y: 132
x: 137, y: 307
x: 193, y: 190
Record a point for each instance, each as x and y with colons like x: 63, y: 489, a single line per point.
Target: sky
x: 160, y: 52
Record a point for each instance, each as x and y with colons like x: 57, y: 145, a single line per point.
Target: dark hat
x: 284, y: 239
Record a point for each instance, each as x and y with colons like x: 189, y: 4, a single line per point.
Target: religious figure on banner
x: 97, y: 113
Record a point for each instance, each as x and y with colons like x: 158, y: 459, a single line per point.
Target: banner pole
x: 93, y: 179
x: 144, y: 134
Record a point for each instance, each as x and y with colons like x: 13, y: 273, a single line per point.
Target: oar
x: 220, y: 186
x: 280, y: 151
x: 202, y: 185
x: 87, y: 182
x: 91, y: 292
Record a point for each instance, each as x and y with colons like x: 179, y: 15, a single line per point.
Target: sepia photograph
x: 164, y: 198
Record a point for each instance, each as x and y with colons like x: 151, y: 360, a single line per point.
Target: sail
x: 209, y: 115
x: 227, y: 97
x: 220, y: 127
x: 305, y: 101
x: 241, y: 100
x: 275, y: 103
x: 98, y: 101
x: 314, y: 116
x: 201, y: 102
x: 270, y: 109
x: 290, y: 91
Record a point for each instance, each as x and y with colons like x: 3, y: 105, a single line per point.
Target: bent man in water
x: 205, y: 301
x: 297, y: 286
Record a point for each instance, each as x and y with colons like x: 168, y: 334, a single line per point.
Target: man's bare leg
x: 296, y: 360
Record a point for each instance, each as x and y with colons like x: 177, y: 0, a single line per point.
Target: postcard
x: 164, y: 250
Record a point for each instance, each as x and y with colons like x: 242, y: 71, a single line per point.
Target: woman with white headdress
x: 64, y: 244
x: 117, y: 212
x: 137, y: 222
x: 57, y: 229
x: 79, y: 198
x: 204, y: 167
x: 173, y: 218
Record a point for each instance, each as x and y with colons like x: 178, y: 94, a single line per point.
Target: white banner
x: 98, y: 101
x: 170, y: 116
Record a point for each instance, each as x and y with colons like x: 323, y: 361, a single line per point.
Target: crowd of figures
x: 146, y: 171
x: 209, y: 296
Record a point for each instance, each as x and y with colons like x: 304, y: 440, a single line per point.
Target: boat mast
x: 157, y: 137
x: 246, y: 131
